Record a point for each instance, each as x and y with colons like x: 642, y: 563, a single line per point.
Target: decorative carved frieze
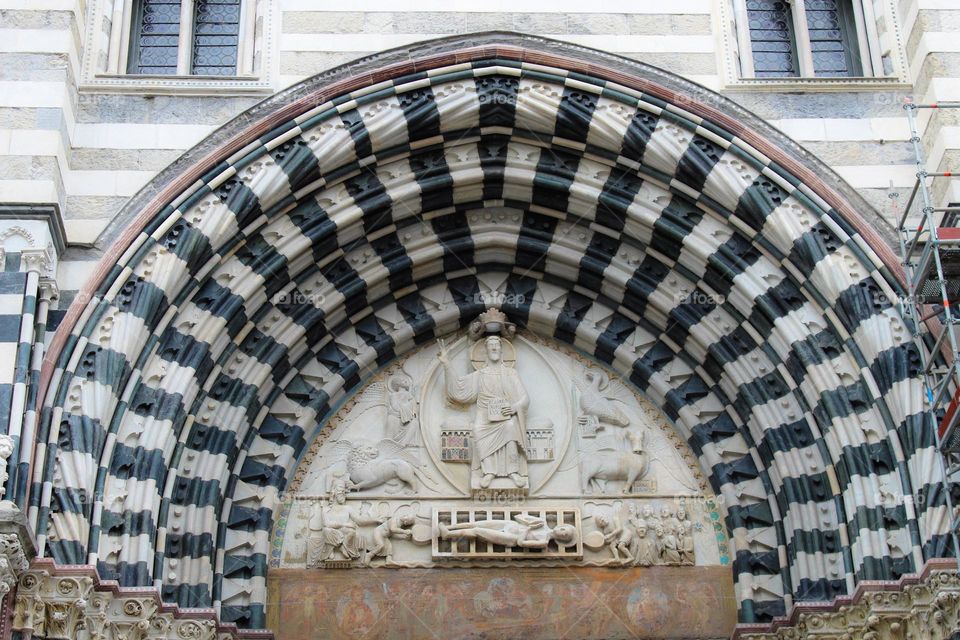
x: 924, y: 606
x: 16, y: 543
x: 507, y: 533
x: 71, y: 603
x: 6, y: 449
x: 13, y: 561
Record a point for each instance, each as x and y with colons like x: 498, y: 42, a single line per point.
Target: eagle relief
x: 496, y: 446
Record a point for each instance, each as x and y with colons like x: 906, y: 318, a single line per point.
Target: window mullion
x: 744, y: 43
x: 802, y: 34
x: 245, y: 46
x: 185, y: 40
x: 867, y: 37
x: 866, y: 63
x: 120, y: 27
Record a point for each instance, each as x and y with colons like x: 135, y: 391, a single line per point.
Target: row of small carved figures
x: 352, y: 545
x: 641, y: 537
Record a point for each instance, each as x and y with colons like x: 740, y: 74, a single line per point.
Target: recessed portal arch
x: 609, y: 205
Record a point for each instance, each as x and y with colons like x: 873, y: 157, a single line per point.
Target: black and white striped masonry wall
x: 594, y: 208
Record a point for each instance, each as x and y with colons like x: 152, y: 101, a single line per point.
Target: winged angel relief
x: 393, y: 460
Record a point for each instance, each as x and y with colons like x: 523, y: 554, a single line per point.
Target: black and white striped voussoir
x: 655, y: 241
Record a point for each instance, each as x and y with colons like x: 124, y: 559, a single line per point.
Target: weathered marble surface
x: 602, y: 454
x: 519, y: 602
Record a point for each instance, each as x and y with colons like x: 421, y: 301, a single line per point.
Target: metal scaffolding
x: 930, y: 251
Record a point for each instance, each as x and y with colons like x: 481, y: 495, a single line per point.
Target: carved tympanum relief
x: 495, y: 447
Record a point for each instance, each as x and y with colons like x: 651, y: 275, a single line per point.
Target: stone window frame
x: 882, y: 52
x: 107, y: 43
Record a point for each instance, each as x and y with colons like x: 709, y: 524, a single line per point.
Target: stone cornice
x: 922, y: 606
x: 62, y: 602
x: 47, y: 213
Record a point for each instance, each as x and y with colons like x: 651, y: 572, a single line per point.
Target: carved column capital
x: 49, y: 290
x: 62, y: 603
x: 13, y: 561
x: 16, y: 539
x: 924, y: 606
x: 40, y: 260
x: 36, y: 233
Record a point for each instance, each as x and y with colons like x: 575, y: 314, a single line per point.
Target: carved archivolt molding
x: 69, y: 603
x: 18, y: 231
x: 710, y: 270
x: 923, y: 606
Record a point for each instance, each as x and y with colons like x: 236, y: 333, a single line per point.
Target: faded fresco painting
x: 516, y: 602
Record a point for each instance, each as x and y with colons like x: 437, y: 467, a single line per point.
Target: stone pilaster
x: 31, y: 241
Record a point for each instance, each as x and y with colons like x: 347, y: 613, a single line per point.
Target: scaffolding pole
x: 930, y: 254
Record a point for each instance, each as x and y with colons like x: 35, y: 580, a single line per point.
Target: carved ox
x: 607, y: 465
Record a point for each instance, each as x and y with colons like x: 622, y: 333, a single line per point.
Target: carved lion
x: 369, y: 465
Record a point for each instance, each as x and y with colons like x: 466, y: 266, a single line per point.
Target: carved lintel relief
x: 490, y: 447
x: 924, y: 606
x: 67, y: 603
x: 507, y: 533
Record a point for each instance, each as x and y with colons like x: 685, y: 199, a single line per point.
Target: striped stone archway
x: 639, y: 218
